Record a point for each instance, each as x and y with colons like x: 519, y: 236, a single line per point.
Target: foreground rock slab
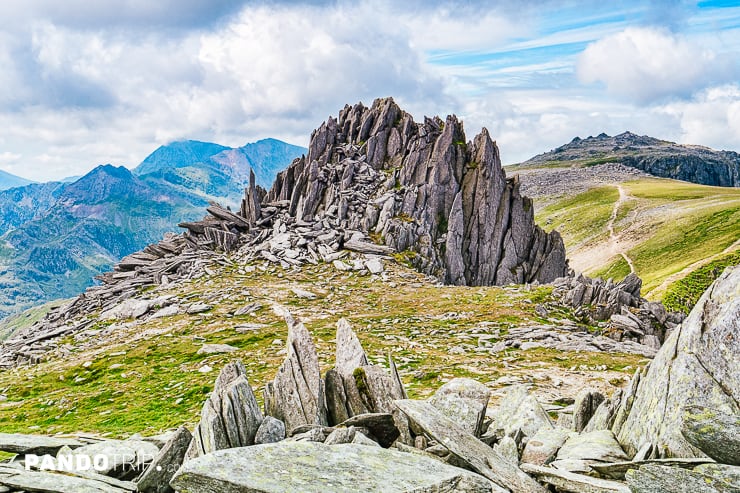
x: 477, y: 454
x: 15, y: 443
x: 311, y: 467
x: 48, y: 482
x: 661, y: 479
x: 575, y: 483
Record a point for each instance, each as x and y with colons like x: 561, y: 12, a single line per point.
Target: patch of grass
x: 617, y: 270
x: 683, y: 294
x: 580, y: 219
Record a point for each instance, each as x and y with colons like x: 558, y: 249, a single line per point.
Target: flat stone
x: 15, y: 443
x: 382, y: 426
x: 594, y: 446
x: 122, y: 455
x: 49, y: 482
x: 479, y: 456
x: 575, y: 483
x: 198, y: 307
x: 311, y: 467
x: 652, y: 478
x: 304, y: 294
x: 542, y: 448
x: 617, y: 470
x: 374, y: 265
x: 216, y: 349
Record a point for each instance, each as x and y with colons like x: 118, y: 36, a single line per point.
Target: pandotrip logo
x: 100, y: 463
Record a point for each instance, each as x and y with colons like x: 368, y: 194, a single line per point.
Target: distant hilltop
x: 662, y: 158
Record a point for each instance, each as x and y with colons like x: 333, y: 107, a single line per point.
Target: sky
x: 84, y: 83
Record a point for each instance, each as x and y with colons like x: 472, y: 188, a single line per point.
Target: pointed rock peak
x: 228, y: 374
x: 350, y: 354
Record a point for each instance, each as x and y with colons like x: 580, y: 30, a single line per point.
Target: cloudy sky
x: 84, y: 83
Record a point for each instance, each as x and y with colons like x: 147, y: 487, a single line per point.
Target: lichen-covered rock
x: 312, y: 467
x: 581, y: 450
x: 715, y: 433
x: 270, y: 431
x: 464, y: 401
x: 662, y: 479
x: 584, y: 408
x: 519, y: 410
x: 542, y: 448
x: 697, y: 366
x: 156, y: 477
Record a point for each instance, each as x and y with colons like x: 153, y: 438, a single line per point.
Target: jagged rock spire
x: 421, y: 187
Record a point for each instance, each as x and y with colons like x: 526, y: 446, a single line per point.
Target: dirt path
x: 658, y: 292
x: 614, y: 239
x: 599, y: 255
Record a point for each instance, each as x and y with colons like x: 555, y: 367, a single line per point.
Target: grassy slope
x: 145, y: 377
x: 669, y: 225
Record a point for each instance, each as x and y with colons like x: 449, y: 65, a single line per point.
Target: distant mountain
x: 55, y: 237
x: 8, y: 180
x: 692, y: 163
x: 217, y: 170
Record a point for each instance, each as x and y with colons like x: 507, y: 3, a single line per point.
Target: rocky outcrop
x: 629, y: 317
x: 421, y: 187
x: 697, y: 366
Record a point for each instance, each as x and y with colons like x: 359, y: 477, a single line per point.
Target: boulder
x: 15, y: 443
x: 585, y: 406
x: 652, y: 478
x: 519, y: 410
x: 312, y: 467
x: 542, y: 448
x: 271, y: 430
x: 581, y: 450
x: 49, y: 482
x: 125, y: 459
x: 575, y: 483
x: 697, y: 366
x: 464, y: 401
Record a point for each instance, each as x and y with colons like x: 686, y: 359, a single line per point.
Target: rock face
x: 316, y: 468
x: 697, y: 366
x: 421, y: 187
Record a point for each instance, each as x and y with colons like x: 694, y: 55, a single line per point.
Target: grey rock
x: 723, y: 472
x: 32, y: 444
x: 508, y: 449
x: 464, y: 401
x: 479, y: 456
x: 604, y: 416
x: 542, y: 448
x: 316, y: 468
x: 230, y: 417
x: 216, y: 349
x: 576, y: 483
x: 663, y: 479
x: 304, y: 294
x: 296, y: 395
x: 592, y: 447
x: 618, y: 470
x: 714, y: 432
x: 125, y: 458
x: 340, y: 435
x: 49, y: 482
x: 587, y: 401
x: 519, y: 410
x: 382, y: 426
x: 362, y: 439
x: 198, y: 307
x: 156, y: 477
x: 270, y: 431
x: 697, y: 366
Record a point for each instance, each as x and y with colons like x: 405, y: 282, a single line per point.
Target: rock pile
x: 630, y: 317
x: 673, y: 429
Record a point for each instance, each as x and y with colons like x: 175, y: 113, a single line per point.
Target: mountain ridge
x: 662, y: 158
x: 57, y: 236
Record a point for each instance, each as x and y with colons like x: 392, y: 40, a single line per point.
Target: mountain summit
x: 692, y: 163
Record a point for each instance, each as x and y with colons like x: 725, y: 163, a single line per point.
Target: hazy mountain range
x: 55, y: 237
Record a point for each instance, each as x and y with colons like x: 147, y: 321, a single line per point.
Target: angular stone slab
x: 156, y: 478
x: 518, y: 409
x: 381, y: 426
x: 49, y: 482
x: 575, y: 483
x: 543, y: 447
x: 122, y: 454
x: 481, y: 458
x: 663, y: 479
x: 617, y: 470
x: 311, y: 467
x: 599, y: 445
x: 16, y: 443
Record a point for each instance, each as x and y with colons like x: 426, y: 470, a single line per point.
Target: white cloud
x: 711, y: 118
x: 647, y: 64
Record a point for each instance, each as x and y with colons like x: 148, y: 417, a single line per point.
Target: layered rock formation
x: 420, y: 187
